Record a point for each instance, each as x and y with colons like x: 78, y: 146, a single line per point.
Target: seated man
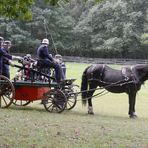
x: 59, y: 59
x: 25, y: 74
x: 47, y: 60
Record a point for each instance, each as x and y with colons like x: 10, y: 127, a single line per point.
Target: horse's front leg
x: 89, y: 97
x: 132, y: 101
x: 90, y: 107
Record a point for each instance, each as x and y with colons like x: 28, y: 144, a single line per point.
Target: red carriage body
x: 30, y: 93
x: 55, y: 97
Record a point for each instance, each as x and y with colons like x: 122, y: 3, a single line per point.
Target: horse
x: 126, y: 80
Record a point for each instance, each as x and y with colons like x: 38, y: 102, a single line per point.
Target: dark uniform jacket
x: 4, y: 56
x: 6, y: 70
x: 47, y: 60
x: 43, y: 53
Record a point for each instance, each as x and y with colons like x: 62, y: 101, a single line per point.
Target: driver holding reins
x: 46, y: 59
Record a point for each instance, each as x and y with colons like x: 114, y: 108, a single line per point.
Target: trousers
x: 56, y: 66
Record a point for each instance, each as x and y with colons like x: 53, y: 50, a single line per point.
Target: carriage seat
x: 40, y: 64
x: 67, y: 81
x: 42, y: 68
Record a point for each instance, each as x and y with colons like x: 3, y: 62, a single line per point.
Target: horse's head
x: 142, y: 72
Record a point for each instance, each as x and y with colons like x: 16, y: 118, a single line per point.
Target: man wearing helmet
x: 1, y: 41
x: 47, y: 60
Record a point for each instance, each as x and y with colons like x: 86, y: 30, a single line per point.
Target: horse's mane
x: 140, y: 66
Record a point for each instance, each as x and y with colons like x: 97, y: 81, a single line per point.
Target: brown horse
x: 127, y: 80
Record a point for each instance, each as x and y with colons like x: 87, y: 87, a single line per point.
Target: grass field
x: 110, y: 127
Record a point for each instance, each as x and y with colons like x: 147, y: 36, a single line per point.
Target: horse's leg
x: 132, y: 100
x: 92, y: 88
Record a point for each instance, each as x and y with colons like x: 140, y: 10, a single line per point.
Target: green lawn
x: 33, y: 127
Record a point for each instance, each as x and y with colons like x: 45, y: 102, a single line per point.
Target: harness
x: 101, y: 72
x: 129, y: 74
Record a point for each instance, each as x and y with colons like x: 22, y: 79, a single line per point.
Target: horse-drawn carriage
x: 35, y: 82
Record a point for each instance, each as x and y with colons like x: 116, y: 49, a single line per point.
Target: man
x: 59, y: 59
x: 6, y: 58
x: 3, y: 55
x: 1, y: 41
x: 5, y: 69
x: 47, y: 60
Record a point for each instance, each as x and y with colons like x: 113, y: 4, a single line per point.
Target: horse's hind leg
x: 132, y: 100
x: 90, y: 107
x: 92, y: 88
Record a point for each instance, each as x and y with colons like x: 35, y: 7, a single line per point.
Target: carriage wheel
x: 21, y: 102
x: 7, y: 92
x: 55, y: 101
x: 71, y: 98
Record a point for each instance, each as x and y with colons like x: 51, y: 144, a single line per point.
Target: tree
x: 21, y: 9
x: 50, y: 22
x: 18, y: 9
x: 114, y: 27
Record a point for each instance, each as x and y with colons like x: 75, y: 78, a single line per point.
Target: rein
x: 104, y: 91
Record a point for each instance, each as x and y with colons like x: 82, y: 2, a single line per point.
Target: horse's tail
x: 84, y: 86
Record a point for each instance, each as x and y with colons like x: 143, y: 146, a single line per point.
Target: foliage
x: 19, y: 9
x: 111, y: 28
x: 114, y: 26
x: 144, y: 37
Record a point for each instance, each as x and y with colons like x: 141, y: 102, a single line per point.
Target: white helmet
x: 45, y: 41
x: 7, y: 42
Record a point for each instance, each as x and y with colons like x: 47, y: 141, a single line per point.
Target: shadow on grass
x: 28, y: 108
x: 74, y: 113
x: 105, y: 116
x: 96, y: 115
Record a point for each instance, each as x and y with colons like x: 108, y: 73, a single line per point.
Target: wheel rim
x: 71, y: 101
x: 71, y: 97
x: 21, y: 102
x: 7, y: 92
x: 55, y: 101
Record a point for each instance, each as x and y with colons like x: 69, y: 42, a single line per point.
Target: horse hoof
x: 133, y: 116
x: 91, y: 113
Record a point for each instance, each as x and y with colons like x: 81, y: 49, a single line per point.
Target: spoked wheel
x: 71, y: 98
x: 21, y: 102
x: 7, y: 92
x: 55, y: 101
